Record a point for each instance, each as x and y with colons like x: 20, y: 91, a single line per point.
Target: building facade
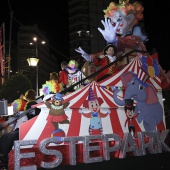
x: 84, y: 18
x: 47, y: 62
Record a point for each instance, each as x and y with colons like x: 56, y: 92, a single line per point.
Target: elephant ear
x: 152, y: 97
x: 127, y: 77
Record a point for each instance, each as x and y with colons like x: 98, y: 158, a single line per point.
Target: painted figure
x: 94, y: 104
x: 151, y: 111
x: 56, y: 113
x: 129, y: 110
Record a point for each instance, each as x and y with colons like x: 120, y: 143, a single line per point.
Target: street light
x: 33, y: 61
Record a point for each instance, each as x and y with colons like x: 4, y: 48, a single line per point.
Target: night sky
x: 52, y: 17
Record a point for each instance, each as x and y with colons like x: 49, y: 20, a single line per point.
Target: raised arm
x: 109, y: 31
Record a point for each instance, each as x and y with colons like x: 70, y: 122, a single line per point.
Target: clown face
x: 94, y: 106
x: 125, y: 22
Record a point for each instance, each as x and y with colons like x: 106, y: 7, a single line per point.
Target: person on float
x: 56, y: 113
x: 63, y: 74
x: 121, y: 29
x: 130, y: 120
x: 94, y: 104
x: 30, y: 96
x: 108, y: 56
x: 53, y: 85
x: 73, y: 75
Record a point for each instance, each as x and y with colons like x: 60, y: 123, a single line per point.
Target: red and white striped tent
x: 38, y: 128
x: 133, y: 66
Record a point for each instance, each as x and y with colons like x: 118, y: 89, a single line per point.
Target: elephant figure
x: 147, y: 103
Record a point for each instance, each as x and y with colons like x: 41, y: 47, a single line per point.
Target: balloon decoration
x: 150, y: 66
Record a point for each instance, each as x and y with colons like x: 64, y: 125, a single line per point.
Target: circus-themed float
x: 118, y: 116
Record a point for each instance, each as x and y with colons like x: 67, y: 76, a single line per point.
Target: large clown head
x: 127, y: 14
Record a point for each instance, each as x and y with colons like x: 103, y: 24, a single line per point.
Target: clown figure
x: 94, y: 104
x: 56, y: 113
x: 73, y: 75
x: 121, y: 28
x: 129, y: 110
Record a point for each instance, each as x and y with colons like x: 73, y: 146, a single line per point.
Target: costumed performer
x: 74, y: 75
x: 63, y: 74
x: 53, y: 85
x: 108, y: 56
x: 19, y: 105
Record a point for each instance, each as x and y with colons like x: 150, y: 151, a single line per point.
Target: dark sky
x: 52, y: 17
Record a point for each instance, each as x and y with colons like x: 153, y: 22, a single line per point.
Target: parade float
x: 99, y: 129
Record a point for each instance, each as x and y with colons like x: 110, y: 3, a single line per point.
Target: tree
x: 15, y: 86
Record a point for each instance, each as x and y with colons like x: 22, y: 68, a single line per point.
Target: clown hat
x: 58, y: 96
x: 110, y: 45
x: 91, y: 96
x: 129, y: 104
x: 72, y: 65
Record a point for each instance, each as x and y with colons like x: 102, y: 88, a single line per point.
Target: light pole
x: 35, y: 60
x: 32, y: 61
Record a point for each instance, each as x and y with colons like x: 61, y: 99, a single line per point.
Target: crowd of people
x: 73, y: 72
x: 69, y: 75
x: 24, y: 102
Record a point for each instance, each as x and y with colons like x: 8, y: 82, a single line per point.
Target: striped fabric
x: 38, y: 128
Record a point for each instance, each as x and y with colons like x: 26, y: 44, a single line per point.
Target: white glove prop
x: 84, y: 54
x: 109, y: 32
